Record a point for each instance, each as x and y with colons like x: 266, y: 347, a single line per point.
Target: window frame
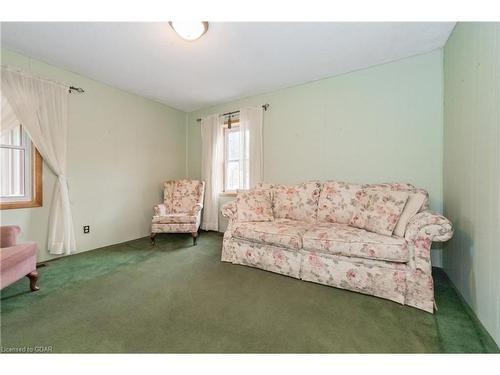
x: 235, y: 126
x: 35, y: 166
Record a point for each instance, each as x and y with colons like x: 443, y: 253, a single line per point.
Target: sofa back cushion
x: 296, y: 202
x: 254, y: 205
x: 378, y: 210
x: 264, y: 185
x: 336, y: 201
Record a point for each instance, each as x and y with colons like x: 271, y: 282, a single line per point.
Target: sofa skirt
x: 388, y: 280
x: 377, y: 278
x: 267, y: 257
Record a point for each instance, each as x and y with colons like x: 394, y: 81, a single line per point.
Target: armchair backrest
x: 181, y: 196
x: 8, y: 235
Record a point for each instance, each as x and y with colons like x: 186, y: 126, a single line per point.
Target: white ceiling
x: 231, y: 61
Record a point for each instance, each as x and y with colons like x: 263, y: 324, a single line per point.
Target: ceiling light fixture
x: 189, y: 30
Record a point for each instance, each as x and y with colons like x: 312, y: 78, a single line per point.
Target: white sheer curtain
x: 9, y: 119
x: 41, y: 106
x: 211, y: 168
x: 251, y: 171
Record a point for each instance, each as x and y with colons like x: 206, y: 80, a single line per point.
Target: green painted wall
x: 472, y: 165
x: 384, y: 123
x: 121, y: 147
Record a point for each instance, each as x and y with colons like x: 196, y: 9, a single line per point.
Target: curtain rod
x: 20, y: 71
x: 264, y: 107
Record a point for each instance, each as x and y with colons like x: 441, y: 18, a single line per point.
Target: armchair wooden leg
x: 195, y: 238
x: 33, y: 276
x: 152, y: 237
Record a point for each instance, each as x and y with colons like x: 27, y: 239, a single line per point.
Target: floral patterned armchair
x: 180, y: 211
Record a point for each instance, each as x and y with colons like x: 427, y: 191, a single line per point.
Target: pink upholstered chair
x: 16, y: 261
x: 180, y: 211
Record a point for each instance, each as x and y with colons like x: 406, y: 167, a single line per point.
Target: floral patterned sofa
x: 374, y: 239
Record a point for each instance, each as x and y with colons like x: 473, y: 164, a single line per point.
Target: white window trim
x: 27, y: 147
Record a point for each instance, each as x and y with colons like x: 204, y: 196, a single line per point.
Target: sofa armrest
x: 229, y: 210
x: 197, y: 208
x: 429, y: 226
x: 160, y: 209
x: 424, y: 228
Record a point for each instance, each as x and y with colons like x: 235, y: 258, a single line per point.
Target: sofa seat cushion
x: 175, y: 219
x: 284, y: 233
x: 341, y: 239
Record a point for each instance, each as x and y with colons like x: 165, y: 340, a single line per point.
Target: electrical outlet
x: 86, y: 229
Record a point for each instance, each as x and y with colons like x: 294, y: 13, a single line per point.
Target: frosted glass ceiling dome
x: 190, y: 30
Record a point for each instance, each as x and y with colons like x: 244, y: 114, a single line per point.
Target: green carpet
x: 178, y: 298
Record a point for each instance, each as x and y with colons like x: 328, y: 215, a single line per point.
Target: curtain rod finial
x: 77, y: 89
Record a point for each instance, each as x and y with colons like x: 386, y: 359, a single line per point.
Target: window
x: 236, y: 160
x: 21, y: 173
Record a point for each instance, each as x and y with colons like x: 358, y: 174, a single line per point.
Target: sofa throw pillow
x: 402, y: 187
x: 296, y: 202
x: 378, y: 210
x: 416, y: 199
x: 254, y: 205
x: 336, y: 201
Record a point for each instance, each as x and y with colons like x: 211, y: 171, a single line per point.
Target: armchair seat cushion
x: 174, y: 228
x: 175, y: 219
x: 341, y: 239
x: 284, y: 233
